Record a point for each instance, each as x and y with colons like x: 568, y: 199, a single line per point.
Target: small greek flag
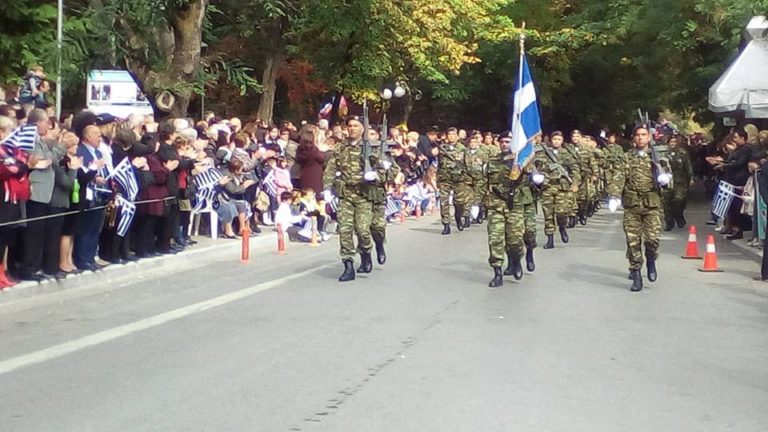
x: 205, y: 183
x: 525, y: 117
x: 333, y: 205
x: 23, y: 138
x: 307, y: 229
x: 268, y: 184
x: 127, y: 211
x: 392, y: 207
x: 723, y: 198
x: 124, y: 176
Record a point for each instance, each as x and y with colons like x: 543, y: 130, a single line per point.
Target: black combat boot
x: 459, y: 222
x: 530, y: 264
x: 349, y: 270
x: 467, y: 222
x: 517, y: 271
x: 446, y: 229
x: 582, y: 218
x: 498, y: 279
x: 572, y: 222
x: 637, y: 281
x: 669, y: 225
x: 550, y: 242
x: 366, y: 263
x: 590, y: 209
x: 510, y: 270
x: 564, y: 234
x: 652, y: 274
x: 381, y: 254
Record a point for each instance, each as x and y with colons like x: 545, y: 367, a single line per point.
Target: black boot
x: 467, y: 222
x: 669, y: 225
x: 446, y: 229
x: 652, y: 274
x: 530, y: 264
x: 637, y: 281
x: 510, y: 270
x: 517, y: 271
x: 582, y: 219
x: 381, y: 254
x: 564, y: 234
x: 591, y: 209
x: 366, y: 263
x: 498, y: 280
x: 459, y: 222
x: 571, y: 221
x: 349, y: 270
x: 550, y: 242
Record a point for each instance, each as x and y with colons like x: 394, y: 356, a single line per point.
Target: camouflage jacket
x: 635, y: 181
x: 344, y: 171
x: 449, y: 162
x: 680, y: 164
x: 475, y: 164
x: 503, y: 192
x: 559, y: 167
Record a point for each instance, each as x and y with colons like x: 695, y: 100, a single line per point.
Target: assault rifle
x: 658, y: 168
x: 556, y: 165
x: 366, y: 141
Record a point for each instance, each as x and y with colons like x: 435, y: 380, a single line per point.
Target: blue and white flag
x: 525, y: 121
x: 124, y: 176
x: 23, y: 138
x: 723, y: 198
x: 205, y: 183
x: 269, y: 185
x: 127, y: 211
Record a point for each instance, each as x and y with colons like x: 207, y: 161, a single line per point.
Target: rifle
x: 558, y: 166
x: 658, y: 168
x: 366, y: 141
x: 383, y: 137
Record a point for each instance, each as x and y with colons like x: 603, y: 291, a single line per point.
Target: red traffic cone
x: 710, y: 257
x: 692, y: 249
x: 280, y: 240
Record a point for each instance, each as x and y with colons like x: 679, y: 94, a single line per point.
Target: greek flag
x: 525, y: 116
x: 268, y: 184
x: 127, y: 211
x: 123, y: 175
x: 205, y: 183
x: 723, y: 199
x: 333, y: 205
x: 392, y: 207
x: 23, y: 138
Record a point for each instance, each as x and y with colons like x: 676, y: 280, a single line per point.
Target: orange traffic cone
x: 280, y: 240
x: 245, y: 253
x: 313, y: 242
x: 710, y: 257
x: 692, y: 250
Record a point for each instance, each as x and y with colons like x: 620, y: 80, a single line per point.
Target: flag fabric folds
x: 124, y: 176
x: 127, y: 212
x: 723, y: 198
x: 22, y: 138
x: 205, y: 183
x: 526, y: 123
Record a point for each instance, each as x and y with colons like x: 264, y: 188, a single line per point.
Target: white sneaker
x: 325, y: 236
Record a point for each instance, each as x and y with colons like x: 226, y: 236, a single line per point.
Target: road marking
x: 65, y: 348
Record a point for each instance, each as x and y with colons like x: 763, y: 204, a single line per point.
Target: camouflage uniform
x: 344, y: 171
x: 379, y: 220
x: 475, y: 163
x: 450, y: 180
x: 506, y: 200
x: 635, y: 182
x: 589, y: 169
x: 676, y: 198
x: 557, y: 166
x: 573, y: 205
x: 613, y: 155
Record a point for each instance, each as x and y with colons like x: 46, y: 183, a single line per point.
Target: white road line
x: 65, y: 348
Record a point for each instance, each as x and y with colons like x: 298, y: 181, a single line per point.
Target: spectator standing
x: 65, y: 197
x: 170, y: 159
x: 310, y: 160
x: 92, y: 176
x: 736, y: 173
x: 12, y: 172
x: 149, y: 216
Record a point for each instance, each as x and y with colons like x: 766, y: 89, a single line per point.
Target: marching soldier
x: 561, y: 177
x: 450, y: 180
x: 530, y: 210
x: 505, y: 200
x: 388, y: 172
x: 638, y: 184
x: 573, y: 205
x: 676, y: 198
x: 356, y: 189
x: 613, y: 155
x: 589, y: 170
x: 475, y: 160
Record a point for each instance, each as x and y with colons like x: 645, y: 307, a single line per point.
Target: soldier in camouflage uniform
x: 561, y: 174
x: 356, y: 189
x: 387, y: 172
x: 613, y: 155
x: 638, y: 184
x: 573, y: 205
x: 475, y: 160
x: 589, y: 169
x: 505, y: 201
x: 450, y: 180
x: 676, y: 198
x: 530, y: 210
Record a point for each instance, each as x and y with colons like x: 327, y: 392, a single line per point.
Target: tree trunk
x: 272, y: 65
x: 187, y: 25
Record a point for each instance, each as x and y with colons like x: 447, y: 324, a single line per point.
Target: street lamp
x: 59, y: 40
x: 387, y: 95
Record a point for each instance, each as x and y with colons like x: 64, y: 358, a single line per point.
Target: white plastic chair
x: 214, y: 221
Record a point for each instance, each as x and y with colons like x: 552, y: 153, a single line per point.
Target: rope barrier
x: 23, y: 221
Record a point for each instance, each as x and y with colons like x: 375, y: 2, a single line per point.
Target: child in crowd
x: 420, y: 194
x: 299, y: 226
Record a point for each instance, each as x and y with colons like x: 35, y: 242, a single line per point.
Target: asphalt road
x: 419, y: 345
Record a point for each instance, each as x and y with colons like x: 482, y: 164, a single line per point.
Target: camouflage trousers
x: 529, y: 213
x: 379, y: 222
x: 506, y: 229
x: 477, y: 191
x: 675, y: 200
x: 587, y: 194
x: 642, y: 226
x: 556, y: 207
x: 573, y: 204
x: 354, y: 217
x: 462, y: 196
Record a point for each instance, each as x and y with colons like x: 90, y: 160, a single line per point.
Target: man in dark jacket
x: 91, y: 177
x: 170, y: 159
x: 736, y: 172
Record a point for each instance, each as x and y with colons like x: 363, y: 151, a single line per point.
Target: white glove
x: 370, y: 176
x: 537, y: 178
x: 664, y: 179
x: 327, y: 196
x: 614, y: 204
x: 386, y: 164
x: 474, y: 211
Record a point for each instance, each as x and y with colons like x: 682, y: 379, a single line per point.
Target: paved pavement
x: 419, y: 345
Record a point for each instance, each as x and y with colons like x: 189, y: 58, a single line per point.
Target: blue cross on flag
x: 526, y: 123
